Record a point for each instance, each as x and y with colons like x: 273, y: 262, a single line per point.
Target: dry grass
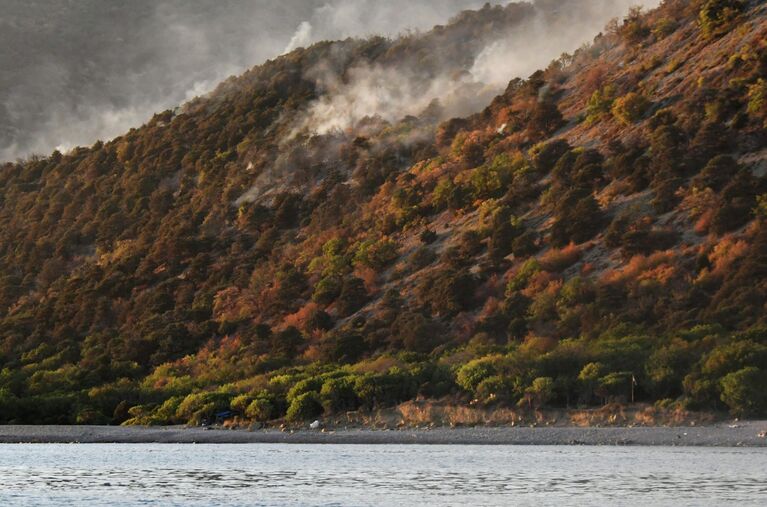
x: 641, y: 266
x: 302, y: 316
x: 540, y: 282
x: 379, y: 365
x: 427, y: 413
x: 538, y: 344
x: 557, y: 260
x: 728, y: 251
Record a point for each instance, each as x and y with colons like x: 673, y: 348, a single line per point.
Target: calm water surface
x: 341, y: 475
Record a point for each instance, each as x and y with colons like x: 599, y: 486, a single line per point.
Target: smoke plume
x: 396, y: 91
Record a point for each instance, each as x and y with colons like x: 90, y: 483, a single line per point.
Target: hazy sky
x: 74, y: 71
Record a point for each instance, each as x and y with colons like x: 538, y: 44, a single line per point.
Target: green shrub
x: 495, y: 388
x: 385, y: 389
x: 140, y: 415
x: 338, y: 394
x: 545, y: 119
x: 701, y: 391
x: 417, y: 333
x: 353, y: 296
x: 634, y: 29
x: 733, y: 356
x: 421, y: 258
x: 448, y: 195
x: 107, y: 397
x: 505, y: 228
x: 199, y: 407
x: 240, y: 403
x: 291, y: 284
x: 287, y: 342
x: 428, y: 237
x: 525, y: 244
x: 492, y: 179
x: 761, y: 207
x: 342, y: 346
x: 717, y: 173
x: 540, y: 391
x: 91, y: 416
x: 377, y: 254
x: 616, y: 384
x: 578, y: 218
x: 448, y: 291
x: 744, y: 392
x: 304, y: 407
x: 600, y: 103
x: 588, y: 378
x: 630, y: 108
x: 664, y: 27
x: 470, y: 244
x: 319, y: 320
x: 474, y: 372
x: 519, y: 281
x: 312, y: 384
x: 737, y: 202
x: 260, y: 409
x: 757, y: 100
x: 545, y: 155
x: 543, y: 307
x: 516, y: 308
x: 8, y: 405
x: 716, y: 15
x: 166, y: 413
x: 327, y: 290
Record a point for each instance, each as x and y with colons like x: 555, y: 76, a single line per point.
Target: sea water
x: 387, y: 475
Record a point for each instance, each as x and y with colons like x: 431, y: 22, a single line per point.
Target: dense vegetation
x: 601, y: 222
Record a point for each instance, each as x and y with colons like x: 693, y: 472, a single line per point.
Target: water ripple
x: 274, y: 475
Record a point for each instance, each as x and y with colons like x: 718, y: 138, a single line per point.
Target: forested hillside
x: 274, y: 251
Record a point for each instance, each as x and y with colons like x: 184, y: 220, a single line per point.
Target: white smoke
x: 394, y: 92
x: 301, y: 38
x: 390, y: 93
x: 522, y: 53
x: 339, y: 19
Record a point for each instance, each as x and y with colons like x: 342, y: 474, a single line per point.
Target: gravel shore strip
x: 744, y: 434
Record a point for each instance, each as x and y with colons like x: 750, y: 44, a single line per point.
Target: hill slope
x: 276, y: 250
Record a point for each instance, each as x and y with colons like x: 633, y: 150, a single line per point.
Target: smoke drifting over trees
x: 74, y: 72
x: 543, y: 31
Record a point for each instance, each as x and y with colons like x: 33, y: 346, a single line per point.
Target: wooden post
x: 633, y: 383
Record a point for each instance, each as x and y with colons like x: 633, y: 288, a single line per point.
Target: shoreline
x: 740, y: 434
